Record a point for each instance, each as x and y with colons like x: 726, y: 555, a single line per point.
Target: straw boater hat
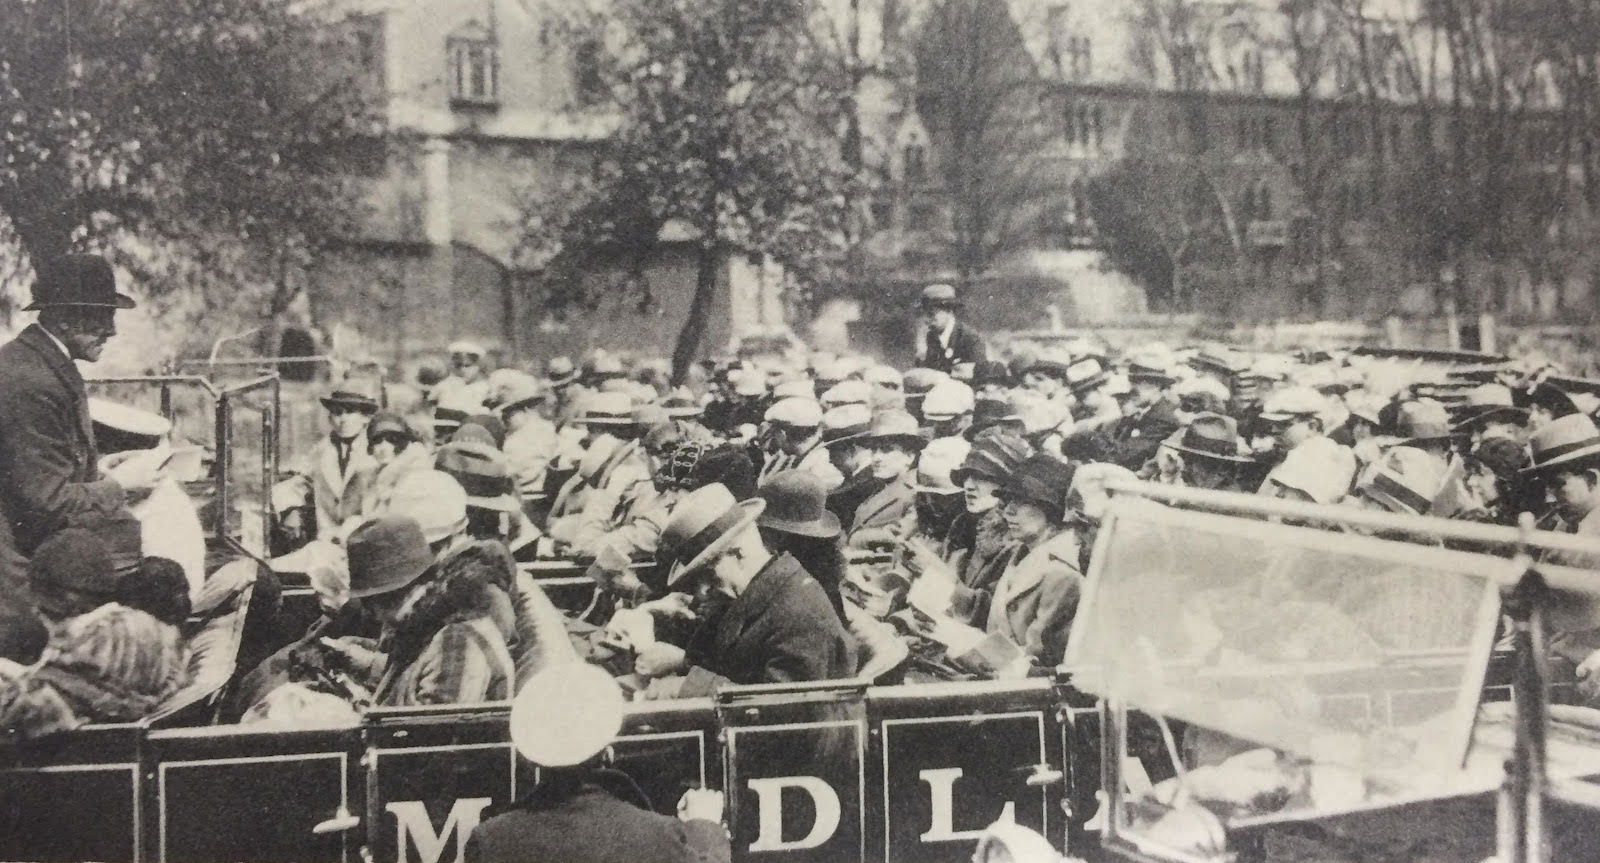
x: 560, y: 371
x: 1294, y: 402
x: 702, y: 526
x: 947, y: 401
x: 468, y: 347
x: 1487, y: 403
x: 937, y: 464
x: 77, y: 280
x: 681, y: 404
x: 605, y: 409
x: 795, y: 412
x: 1212, y: 436
x: 1423, y: 422
x: 522, y: 393
x: 1570, y: 442
x: 845, y: 423
x: 797, y: 503
x: 566, y: 714
x: 1152, y: 365
x: 1405, y: 481
x: 1086, y: 374
x: 847, y: 393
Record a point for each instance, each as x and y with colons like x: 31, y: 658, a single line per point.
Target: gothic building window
x: 474, y: 68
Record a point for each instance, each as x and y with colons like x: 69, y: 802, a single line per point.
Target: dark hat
x: 1549, y: 396
x: 123, y: 536
x: 1212, y: 436
x: 23, y: 636
x: 797, y: 503
x: 991, y: 410
x: 940, y: 296
x: 389, y: 423
x: 993, y: 457
x: 1505, y: 458
x: 1042, y: 480
x: 991, y: 372
x: 73, y: 559
x: 1055, y: 367
x: 1570, y: 442
x: 482, y: 472
x: 702, y: 526
x: 447, y: 420
x: 491, y: 424
x: 560, y: 371
x: 896, y: 427
x: 76, y: 280
x: 159, y: 588
x: 358, y: 393
x: 727, y: 465
x: 1486, y: 403
x: 386, y: 554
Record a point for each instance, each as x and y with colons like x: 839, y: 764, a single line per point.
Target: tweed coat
x: 49, y: 465
x: 1035, y: 600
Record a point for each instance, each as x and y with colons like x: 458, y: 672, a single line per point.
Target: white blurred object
x: 1009, y: 841
x: 169, y: 526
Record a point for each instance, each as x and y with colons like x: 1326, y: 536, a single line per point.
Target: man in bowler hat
x: 49, y: 465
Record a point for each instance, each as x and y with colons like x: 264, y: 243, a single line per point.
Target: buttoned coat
x: 966, y: 346
x: 1035, y: 600
x: 49, y: 465
x: 339, y: 495
x: 594, y: 826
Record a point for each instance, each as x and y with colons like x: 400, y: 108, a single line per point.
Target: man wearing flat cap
x: 49, y: 463
x: 948, y: 344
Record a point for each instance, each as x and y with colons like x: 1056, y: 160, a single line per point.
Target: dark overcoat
x: 49, y: 466
x: 966, y: 346
x: 782, y: 629
x: 594, y: 826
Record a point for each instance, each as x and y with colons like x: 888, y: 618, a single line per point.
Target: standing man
x: 49, y: 464
x: 467, y: 386
x: 948, y: 344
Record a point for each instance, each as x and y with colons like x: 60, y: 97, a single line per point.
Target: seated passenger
x: 440, y: 643
x: 779, y: 627
x: 106, y: 661
x: 1037, y: 595
x: 895, y: 440
x: 398, y: 452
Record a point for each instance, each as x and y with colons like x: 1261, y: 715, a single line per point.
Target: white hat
x: 566, y: 714
x: 798, y: 388
x: 1320, y: 468
x: 434, y: 499
x: 1291, y: 402
x: 128, y: 419
x: 847, y: 393
x: 935, y: 463
x: 947, y: 400
x: 465, y: 346
x: 795, y: 411
x: 883, y: 376
x: 749, y: 383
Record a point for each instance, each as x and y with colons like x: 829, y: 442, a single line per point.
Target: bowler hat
x: 797, y: 503
x: 566, y: 714
x: 1212, y: 436
x: 1571, y: 441
x: 76, y: 280
x: 1042, y: 480
x: 357, y: 393
x: 703, y: 524
x: 896, y: 427
x: 386, y: 554
x: 994, y: 458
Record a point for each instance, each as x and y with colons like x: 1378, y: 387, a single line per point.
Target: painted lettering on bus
x: 414, y: 827
x: 942, y: 793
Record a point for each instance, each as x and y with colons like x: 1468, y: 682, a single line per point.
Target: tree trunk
x: 707, y: 262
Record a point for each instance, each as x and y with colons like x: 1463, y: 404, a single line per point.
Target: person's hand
x: 332, y: 585
x: 701, y: 804
x: 137, y: 471
x: 348, y: 654
x: 663, y: 689
x: 673, y: 606
x: 659, y: 660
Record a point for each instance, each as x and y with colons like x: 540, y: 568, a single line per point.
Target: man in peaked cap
x: 49, y: 462
x: 947, y: 409
x: 947, y: 344
x: 780, y: 627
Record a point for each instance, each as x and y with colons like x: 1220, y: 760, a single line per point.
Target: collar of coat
x: 45, y: 344
x: 1031, y: 564
x: 782, y: 573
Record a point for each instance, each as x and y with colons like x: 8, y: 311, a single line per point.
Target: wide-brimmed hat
x: 937, y: 464
x: 947, y: 401
x: 358, y: 393
x: 1042, y: 480
x: 434, y: 500
x: 845, y: 423
x: 119, y: 427
x: 797, y: 503
x: 896, y: 427
x: 681, y: 404
x: 1049, y: 365
x: 847, y: 393
x: 1571, y: 441
x: 605, y: 409
x: 1318, y: 467
x: 702, y: 525
x: 560, y: 371
x: 389, y: 423
x: 522, y: 393
x: 1151, y: 365
x: 75, y: 559
x: 566, y: 714
x: 1405, y: 480
x: 1487, y: 403
x: 386, y: 554
x: 993, y: 457
x: 482, y: 472
x: 940, y: 296
x: 76, y: 280
x: 989, y: 411
x: 1212, y: 436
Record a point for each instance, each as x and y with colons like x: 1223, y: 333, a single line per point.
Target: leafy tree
x: 726, y: 129
x: 214, y: 138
